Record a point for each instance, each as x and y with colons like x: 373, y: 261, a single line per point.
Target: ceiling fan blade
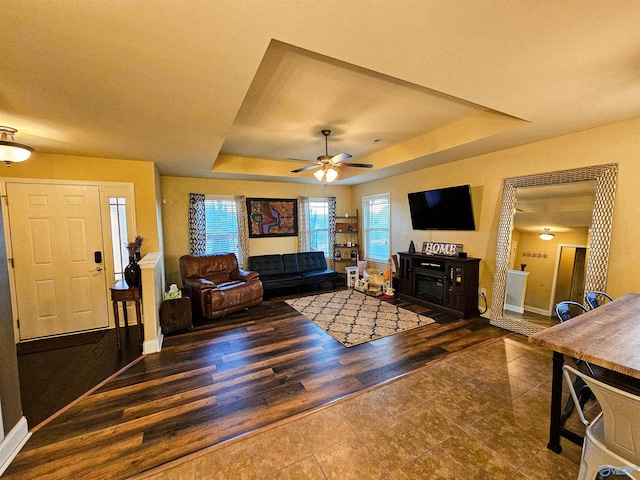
x: 360, y: 165
x: 341, y: 157
x: 304, y: 169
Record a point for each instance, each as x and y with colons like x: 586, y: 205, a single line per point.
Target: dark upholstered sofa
x: 217, y: 286
x: 292, y: 270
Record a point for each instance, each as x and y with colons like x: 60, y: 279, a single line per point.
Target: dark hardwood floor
x: 54, y: 372
x: 223, y: 380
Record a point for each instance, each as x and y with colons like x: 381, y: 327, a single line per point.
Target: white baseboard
x: 539, y: 311
x: 13, y: 443
x: 513, y: 308
x: 153, y: 346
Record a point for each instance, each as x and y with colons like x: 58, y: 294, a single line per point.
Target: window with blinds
x: 319, y: 225
x: 222, y: 226
x: 376, y: 224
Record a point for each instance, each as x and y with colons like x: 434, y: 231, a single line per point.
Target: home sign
x: 439, y: 248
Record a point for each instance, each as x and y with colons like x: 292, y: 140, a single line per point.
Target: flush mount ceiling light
x: 10, y: 151
x: 546, y: 236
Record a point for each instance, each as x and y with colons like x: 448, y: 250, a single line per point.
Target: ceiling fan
x: 327, y: 166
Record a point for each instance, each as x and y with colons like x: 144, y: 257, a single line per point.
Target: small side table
x: 175, y: 314
x: 121, y: 292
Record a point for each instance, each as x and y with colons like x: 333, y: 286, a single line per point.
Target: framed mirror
x: 599, y: 239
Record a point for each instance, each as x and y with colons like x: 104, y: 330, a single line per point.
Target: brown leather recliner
x: 217, y: 286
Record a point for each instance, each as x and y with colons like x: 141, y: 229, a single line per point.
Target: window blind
x: 376, y: 223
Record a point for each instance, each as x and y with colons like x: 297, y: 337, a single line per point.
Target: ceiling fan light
x: 546, y: 236
x: 319, y: 174
x: 332, y: 174
x: 10, y: 151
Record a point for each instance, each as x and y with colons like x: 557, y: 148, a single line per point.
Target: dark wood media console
x: 446, y: 284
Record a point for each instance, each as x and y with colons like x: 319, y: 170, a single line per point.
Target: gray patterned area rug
x: 352, y: 317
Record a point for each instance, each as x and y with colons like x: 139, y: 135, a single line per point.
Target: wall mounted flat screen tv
x: 442, y: 209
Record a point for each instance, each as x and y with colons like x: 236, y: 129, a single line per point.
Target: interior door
x: 570, y: 277
x: 578, y: 277
x: 57, y: 243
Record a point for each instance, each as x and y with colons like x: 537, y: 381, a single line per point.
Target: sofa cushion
x: 216, y: 268
x: 308, y: 261
x: 199, y: 283
x: 244, y: 275
x: 230, y: 296
x: 276, y: 271
x: 313, y: 268
x: 267, y: 264
x: 319, y: 276
x: 282, y: 280
x: 290, y: 262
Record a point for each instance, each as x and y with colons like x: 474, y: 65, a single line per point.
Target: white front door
x: 58, y: 258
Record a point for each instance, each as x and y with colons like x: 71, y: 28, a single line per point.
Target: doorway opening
x: 570, y: 274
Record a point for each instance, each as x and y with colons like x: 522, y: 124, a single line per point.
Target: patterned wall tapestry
x: 272, y: 217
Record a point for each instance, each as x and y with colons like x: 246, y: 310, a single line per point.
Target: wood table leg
x: 121, y: 292
x: 556, y: 425
x: 126, y: 319
x: 116, y: 316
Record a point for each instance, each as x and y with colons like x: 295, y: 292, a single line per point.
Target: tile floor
x: 482, y: 414
x: 543, y: 321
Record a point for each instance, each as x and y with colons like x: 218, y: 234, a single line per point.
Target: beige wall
x: 69, y: 167
x: 175, y: 192
x: 617, y: 143
x: 158, y: 208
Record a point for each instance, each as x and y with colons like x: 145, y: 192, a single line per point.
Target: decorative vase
x: 412, y: 247
x: 132, y: 273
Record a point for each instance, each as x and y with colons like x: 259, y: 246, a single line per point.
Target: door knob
x: 98, y: 269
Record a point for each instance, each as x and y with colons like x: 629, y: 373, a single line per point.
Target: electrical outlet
x: 483, y: 291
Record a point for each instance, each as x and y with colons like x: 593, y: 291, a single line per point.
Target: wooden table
x: 608, y: 336
x: 121, y: 292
